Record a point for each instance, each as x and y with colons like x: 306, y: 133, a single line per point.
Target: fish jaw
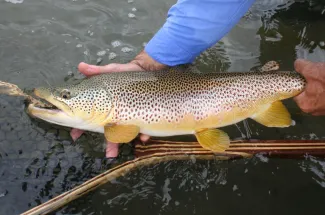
x: 46, y: 94
x: 59, y: 117
x: 56, y: 116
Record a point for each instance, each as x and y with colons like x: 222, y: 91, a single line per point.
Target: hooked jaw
x: 57, y: 112
x: 59, y: 117
x: 55, y: 116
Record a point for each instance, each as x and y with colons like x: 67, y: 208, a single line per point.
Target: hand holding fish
x: 168, y: 102
x: 312, y: 99
x: 142, y: 62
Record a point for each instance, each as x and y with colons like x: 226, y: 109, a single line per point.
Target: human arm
x: 191, y: 27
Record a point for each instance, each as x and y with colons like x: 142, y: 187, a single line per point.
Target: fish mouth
x: 42, y: 103
x: 43, y: 99
x: 40, y: 107
x: 45, y: 106
x: 34, y: 108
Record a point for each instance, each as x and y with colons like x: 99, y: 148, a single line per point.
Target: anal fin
x: 120, y: 133
x: 276, y: 115
x: 213, y: 139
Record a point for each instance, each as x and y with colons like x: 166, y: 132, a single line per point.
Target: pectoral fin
x: 213, y: 139
x: 120, y: 133
x: 276, y: 115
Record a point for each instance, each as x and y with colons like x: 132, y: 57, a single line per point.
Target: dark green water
x: 43, y: 41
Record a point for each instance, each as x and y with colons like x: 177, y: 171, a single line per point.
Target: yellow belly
x: 189, y: 125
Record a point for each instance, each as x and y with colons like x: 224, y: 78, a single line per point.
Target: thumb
x: 301, y: 65
x: 90, y: 70
x: 303, y: 102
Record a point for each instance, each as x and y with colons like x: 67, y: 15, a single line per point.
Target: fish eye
x: 65, y: 94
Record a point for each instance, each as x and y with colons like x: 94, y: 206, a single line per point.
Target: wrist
x: 147, y: 63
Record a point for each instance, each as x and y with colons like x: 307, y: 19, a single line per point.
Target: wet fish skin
x: 172, y: 102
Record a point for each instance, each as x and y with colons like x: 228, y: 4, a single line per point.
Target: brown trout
x: 173, y: 102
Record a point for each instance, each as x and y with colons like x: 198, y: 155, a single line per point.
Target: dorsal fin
x: 269, y: 66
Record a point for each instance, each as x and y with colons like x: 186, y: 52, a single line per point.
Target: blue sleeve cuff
x: 164, y: 49
x: 193, y: 26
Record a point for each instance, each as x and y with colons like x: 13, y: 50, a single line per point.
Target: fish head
x: 84, y: 106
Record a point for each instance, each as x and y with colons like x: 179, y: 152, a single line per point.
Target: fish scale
x: 172, y: 102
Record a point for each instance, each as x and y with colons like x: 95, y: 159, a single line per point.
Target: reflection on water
x: 315, y: 166
x: 43, y: 41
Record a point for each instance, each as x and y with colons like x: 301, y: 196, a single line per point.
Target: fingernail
x: 92, y: 69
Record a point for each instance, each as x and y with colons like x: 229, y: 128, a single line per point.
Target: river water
x: 42, y: 42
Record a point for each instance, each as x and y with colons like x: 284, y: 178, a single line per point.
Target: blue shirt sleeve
x: 193, y: 26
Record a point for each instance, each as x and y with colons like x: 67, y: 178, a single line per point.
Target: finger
x: 90, y: 70
x: 318, y: 113
x: 301, y: 65
x: 302, y: 101
x: 144, y: 138
x: 111, y: 150
x: 75, y: 133
x: 305, y: 103
x: 87, y: 69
